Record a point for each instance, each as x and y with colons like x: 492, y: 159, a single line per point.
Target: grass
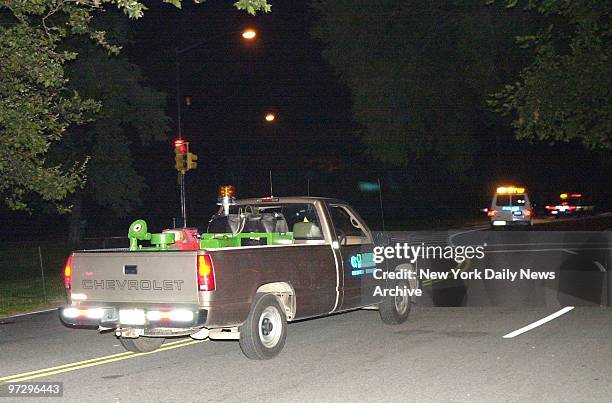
x: 25, y: 295
x: 21, y: 283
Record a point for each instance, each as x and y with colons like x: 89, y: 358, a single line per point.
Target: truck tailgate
x: 144, y: 277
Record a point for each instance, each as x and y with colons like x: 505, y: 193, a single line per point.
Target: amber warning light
x: 226, y: 191
x: 510, y: 190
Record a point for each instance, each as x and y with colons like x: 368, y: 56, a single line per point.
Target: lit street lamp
x: 270, y: 117
x: 248, y: 34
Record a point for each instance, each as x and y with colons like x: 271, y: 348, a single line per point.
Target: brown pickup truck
x: 259, y: 264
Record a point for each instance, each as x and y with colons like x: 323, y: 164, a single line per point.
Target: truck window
x: 348, y: 225
x: 300, y: 219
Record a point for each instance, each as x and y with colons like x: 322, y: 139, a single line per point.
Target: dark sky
x: 233, y: 83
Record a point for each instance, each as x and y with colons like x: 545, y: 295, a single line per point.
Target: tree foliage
x: 419, y: 72
x: 37, y: 104
x: 565, y: 93
x: 130, y: 112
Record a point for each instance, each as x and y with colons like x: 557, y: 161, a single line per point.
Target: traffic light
x: 181, y: 150
x: 184, y: 160
x: 191, y: 161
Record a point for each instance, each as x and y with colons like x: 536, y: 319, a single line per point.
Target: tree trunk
x: 75, y: 232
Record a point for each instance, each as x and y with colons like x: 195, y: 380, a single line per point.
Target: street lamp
x: 248, y: 34
x: 270, y: 117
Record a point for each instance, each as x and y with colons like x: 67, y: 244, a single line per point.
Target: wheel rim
x: 270, y: 327
x: 402, y: 302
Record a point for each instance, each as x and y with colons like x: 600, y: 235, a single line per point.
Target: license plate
x: 131, y: 317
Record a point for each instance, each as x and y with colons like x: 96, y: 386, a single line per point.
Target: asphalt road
x: 440, y: 354
x: 575, y: 266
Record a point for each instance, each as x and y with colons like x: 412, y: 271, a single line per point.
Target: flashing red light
x: 180, y: 146
x: 576, y: 195
x: 68, y: 272
x: 206, y: 273
x: 491, y: 213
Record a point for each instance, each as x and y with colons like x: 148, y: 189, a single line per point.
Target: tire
x: 142, y: 344
x: 263, y: 334
x: 395, y: 310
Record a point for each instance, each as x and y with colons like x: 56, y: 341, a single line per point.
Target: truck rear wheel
x: 263, y: 334
x: 142, y: 344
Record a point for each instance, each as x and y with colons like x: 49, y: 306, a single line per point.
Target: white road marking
x: 527, y: 250
x: 571, y: 252
x: 547, y: 243
x: 450, y: 238
x: 538, y: 323
x: 599, y: 266
x: 29, y: 313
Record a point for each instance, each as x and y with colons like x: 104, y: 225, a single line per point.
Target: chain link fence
x: 31, y: 274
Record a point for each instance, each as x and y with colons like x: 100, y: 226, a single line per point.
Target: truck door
x: 356, y: 247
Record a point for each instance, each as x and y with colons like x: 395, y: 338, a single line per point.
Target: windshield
x: 511, y: 200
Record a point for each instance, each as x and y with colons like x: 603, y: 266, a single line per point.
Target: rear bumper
x: 109, y: 316
x: 506, y: 223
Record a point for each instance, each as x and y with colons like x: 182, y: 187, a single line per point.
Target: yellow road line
x: 92, y: 362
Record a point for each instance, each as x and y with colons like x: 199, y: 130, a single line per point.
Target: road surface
x: 451, y: 349
x: 440, y: 354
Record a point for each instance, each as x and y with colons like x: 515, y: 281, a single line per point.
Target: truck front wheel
x: 394, y: 310
x: 142, y: 344
x: 263, y: 334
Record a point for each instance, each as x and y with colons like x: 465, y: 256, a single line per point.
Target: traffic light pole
x: 181, y: 175
x: 183, y: 204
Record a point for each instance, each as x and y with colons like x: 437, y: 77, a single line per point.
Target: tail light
x: 491, y: 213
x: 68, y: 272
x: 528, y: 213
x: 206, y: 273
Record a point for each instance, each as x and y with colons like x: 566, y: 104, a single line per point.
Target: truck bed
x: 116, y: 276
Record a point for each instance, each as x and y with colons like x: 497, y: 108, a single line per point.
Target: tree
x: 419, y: 73
x: 130, y: 113
x: 565, y: 93
x: 37, y: 104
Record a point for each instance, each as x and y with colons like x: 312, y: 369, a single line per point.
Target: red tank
x: 184, y: 238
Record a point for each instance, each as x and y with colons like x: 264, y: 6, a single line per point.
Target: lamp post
x: 247, y: 34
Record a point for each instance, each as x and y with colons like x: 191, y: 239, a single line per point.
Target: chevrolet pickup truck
x: 257, y: 265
